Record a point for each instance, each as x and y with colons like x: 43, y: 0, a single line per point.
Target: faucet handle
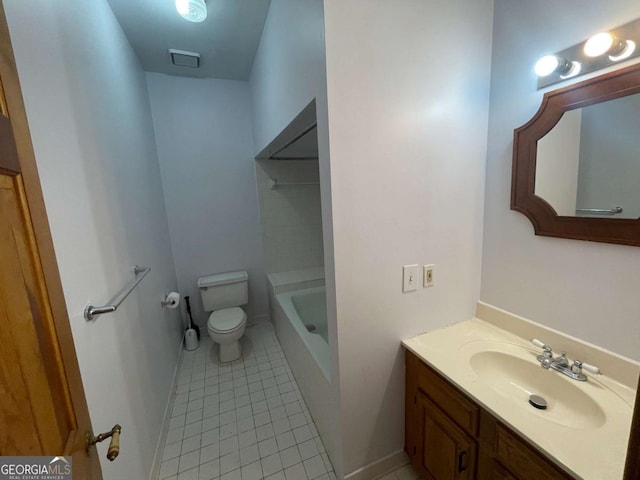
x: 538, y: 343
x: 578, y: 366
x: 548, y: 353
x: 591, y: 368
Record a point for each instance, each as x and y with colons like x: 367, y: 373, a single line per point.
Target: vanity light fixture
x: 192, y: 10
x: 599, y: 51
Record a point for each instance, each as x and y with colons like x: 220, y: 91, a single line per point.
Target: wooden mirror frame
x: 544, y: 218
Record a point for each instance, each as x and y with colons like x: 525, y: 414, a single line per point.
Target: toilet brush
x: 190, y: 339
x: 191, y: 324
x: 191, y: 335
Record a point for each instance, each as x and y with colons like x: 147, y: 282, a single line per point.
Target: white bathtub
x: 297, y: 298
x: 306, y: 311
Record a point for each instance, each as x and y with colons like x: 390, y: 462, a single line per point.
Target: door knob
x: 114, y: 444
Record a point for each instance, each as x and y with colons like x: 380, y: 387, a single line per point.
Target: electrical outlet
x: 409, y: 278
x: 428, y: 275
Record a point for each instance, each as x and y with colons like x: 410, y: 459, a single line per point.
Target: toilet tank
x: 224, y: 290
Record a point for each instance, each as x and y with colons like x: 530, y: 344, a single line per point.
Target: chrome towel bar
x: 600, y: 211
x: 91, y: 312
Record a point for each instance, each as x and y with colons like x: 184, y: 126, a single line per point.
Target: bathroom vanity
x: 450, y: 436
x: 467, y: 411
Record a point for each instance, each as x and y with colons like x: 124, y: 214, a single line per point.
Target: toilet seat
x: 226, y: 320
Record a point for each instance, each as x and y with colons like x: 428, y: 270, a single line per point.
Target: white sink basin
x: 517, y: 378
x: 513, y: 372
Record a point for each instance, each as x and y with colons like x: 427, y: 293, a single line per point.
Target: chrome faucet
x: 561, y: 363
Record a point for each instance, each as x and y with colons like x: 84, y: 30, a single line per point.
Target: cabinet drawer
x: 521, y: 459
x: 448, y: 399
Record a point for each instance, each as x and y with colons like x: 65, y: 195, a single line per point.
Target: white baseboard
x: 157, y: 456
x: 380, y: 467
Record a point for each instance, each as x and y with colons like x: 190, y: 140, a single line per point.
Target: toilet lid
x: 226, y: 319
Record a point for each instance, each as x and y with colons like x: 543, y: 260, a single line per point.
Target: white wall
x: 289, y: 68
x: 557, y: 163
x: 408, y: 126
x: 291, y: 217
x: 585, y: 289
x: 203, y: 133
x: 88, y: 111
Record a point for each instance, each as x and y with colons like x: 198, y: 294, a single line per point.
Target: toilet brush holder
x: 190, y: 339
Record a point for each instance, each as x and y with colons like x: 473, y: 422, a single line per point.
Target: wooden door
x: 445, y: 451
x: 43, y: 410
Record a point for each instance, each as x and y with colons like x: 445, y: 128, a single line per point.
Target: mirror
x: 589, y: 163
x: 576, y: 164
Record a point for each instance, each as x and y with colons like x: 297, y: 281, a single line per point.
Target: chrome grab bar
x: 599, y: 211
x: 91, y: 312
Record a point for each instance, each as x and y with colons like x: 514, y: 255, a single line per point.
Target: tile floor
x: 246, y: 420
x: 241, y: 421
x: 405, y: 473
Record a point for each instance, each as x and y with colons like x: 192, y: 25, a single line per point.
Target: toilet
x: 222, y: 295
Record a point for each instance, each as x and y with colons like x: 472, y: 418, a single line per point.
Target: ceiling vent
x: 183, y: 58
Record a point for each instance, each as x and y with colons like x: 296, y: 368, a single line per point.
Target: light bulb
x: 575, y: 69
x: 182, y: 6
x: 550, y: 64
x: 598, y: 45
x: 627, y: 51
x: 192, y: 10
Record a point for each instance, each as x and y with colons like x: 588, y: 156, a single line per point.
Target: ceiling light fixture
x: 192, y: 10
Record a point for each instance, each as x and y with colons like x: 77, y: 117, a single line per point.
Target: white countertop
x: 589, y: 452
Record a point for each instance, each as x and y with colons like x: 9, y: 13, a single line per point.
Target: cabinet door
x: 498, y: 472
x: 444, y: 451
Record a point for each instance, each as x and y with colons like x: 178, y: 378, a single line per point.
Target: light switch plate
x: 409, y: 278
x: 428, y: 275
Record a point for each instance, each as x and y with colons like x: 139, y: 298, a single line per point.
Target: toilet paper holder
x: 169, y: 301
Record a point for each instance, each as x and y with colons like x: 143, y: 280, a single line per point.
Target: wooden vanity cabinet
x: 450, y: 437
